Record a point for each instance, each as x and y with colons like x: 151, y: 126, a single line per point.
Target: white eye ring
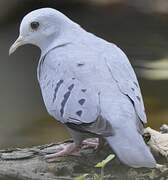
x: 34, y: 25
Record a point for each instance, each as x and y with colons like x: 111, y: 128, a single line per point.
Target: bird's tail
x: 131, y: 149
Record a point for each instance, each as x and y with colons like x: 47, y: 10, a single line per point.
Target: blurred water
x: 23, y: 118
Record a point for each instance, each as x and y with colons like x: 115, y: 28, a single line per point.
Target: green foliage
x: 101, y: 165
x: 105, y: 162
x: 96, y: 177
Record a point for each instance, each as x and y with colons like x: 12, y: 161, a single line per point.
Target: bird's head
x: 40, y: 27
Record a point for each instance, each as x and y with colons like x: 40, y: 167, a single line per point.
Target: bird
x: 87, y: 84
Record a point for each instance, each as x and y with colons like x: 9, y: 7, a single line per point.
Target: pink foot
x: 72, y: 149
x: 90, y: 143
x: 68, y: 149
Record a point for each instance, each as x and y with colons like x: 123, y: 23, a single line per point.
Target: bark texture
x: 30, y: 164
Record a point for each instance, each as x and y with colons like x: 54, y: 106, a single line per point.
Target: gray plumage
x: 89, y: 85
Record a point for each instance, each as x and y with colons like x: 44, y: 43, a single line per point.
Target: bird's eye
x: 34, y: 25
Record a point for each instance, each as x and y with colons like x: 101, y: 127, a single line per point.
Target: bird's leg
x: 67, y: 149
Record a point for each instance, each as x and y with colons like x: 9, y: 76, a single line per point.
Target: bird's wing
x: 68, y: 99
x: 123, y: 73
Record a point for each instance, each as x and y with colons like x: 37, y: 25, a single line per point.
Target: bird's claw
x: 72, y: 149
x: 68, y: 149
x: 90, y: 143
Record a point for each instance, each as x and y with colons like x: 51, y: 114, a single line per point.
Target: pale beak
x: 19, y: 42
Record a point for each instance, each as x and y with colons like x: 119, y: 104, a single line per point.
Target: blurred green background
x: 139, y: 27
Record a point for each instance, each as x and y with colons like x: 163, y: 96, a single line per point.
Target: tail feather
x: 127, y: 141
x: 131, y: 149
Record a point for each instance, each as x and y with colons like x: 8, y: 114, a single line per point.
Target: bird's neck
x: 67, y: 36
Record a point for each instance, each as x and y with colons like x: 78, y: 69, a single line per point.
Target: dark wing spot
x: 83, y: 90
x: 133, y: 89
x: 66, y: 96
x: 73, y: 78
x: 56, y: 89
x: 81, y: 101
x: 139, y: 99
x: 80, y: 64
x: 136, y: 84
x: 79, y: 113
x: 71, y: 87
